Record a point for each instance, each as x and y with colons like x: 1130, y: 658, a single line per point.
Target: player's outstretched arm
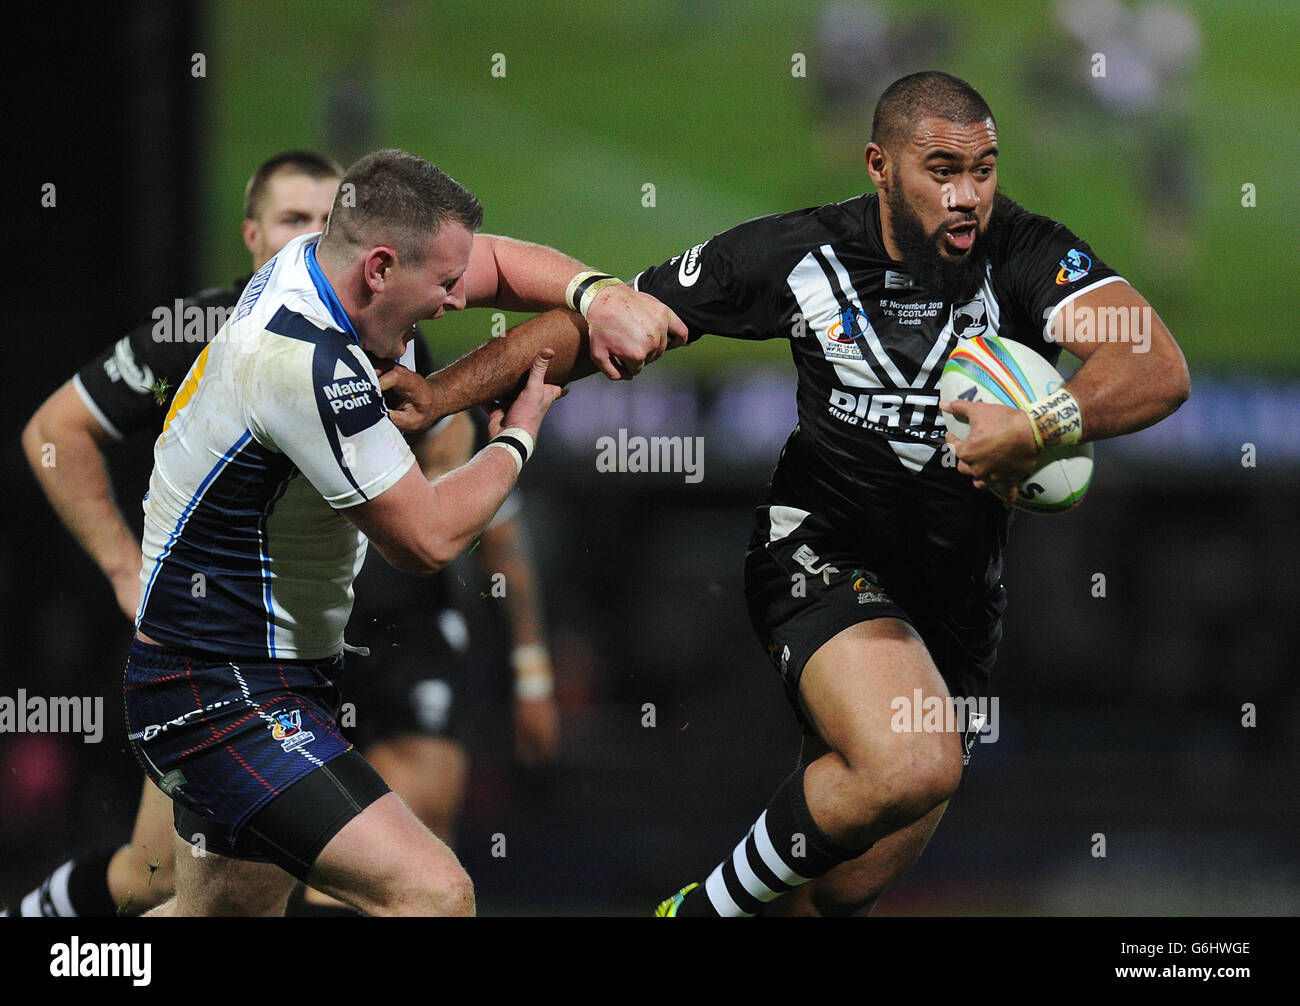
x: 420, y: 527
x: 490, y: 373
x: 62, y: 443
x: 504, y: 550
x: 628, y: 329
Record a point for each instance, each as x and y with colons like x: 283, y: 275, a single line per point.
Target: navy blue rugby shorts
x: 238, y: 744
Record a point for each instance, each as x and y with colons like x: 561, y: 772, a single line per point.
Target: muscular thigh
x: 812, y: 593
x: 381, y: 856
x: 856, y: 686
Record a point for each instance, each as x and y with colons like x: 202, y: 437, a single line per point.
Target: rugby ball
x: 1003, y: 372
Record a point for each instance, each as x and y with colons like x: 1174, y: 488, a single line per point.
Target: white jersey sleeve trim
x: 94, y: 409
x: 1047, y: 325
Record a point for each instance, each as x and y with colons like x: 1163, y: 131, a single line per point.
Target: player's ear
x: 249, y: 230
x: 378, y: 266
x: 878, y: 166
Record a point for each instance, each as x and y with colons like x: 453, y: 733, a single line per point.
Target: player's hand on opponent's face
x: 627, y: 330
x: 999, y: 451
x: 530, y: 406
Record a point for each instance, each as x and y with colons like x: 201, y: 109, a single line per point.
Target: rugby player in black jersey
x: 408, y: 727
x: 874, y: 572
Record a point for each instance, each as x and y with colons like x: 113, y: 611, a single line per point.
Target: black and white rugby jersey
x: 869, y: 346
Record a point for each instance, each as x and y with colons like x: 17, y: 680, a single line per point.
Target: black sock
x: 77, y: 889
x: 783, y: 849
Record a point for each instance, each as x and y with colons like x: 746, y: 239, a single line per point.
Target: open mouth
x: 960, y: 238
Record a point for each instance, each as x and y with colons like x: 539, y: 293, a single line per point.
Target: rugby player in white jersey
x: 114, y: 396
x: 123, y: 390
x: 275, y: 453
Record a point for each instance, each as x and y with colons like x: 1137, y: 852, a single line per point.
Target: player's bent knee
x: 443, y: 892
x: 446, y: 891
x: 908, y: 783
x: 921, y: 782
x: 385, y: 862
x: 455, y: 899
x: 439, y: 887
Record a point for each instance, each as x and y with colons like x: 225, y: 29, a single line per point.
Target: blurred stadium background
x: 1120, y: 715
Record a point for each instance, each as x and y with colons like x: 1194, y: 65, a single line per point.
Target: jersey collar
x: 327, y: 295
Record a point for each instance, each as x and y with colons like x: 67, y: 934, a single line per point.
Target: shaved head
x: 394, y: 198
x: 929, y: 94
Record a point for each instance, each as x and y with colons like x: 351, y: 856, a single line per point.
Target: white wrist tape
x: 582, y: 289
x: 1055, y: 420
x: 519, y: 442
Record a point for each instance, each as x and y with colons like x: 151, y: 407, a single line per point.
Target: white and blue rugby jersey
x: 277, y: 427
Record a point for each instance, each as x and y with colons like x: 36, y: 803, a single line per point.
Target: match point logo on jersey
x: 287, y: 729
x: 352, y: 400
x: 1074, y: 267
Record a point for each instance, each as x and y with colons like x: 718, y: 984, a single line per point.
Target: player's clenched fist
x: 627, y: 330
x: 999, y: 451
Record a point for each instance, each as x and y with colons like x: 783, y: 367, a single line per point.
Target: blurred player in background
x: 875, y: 567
